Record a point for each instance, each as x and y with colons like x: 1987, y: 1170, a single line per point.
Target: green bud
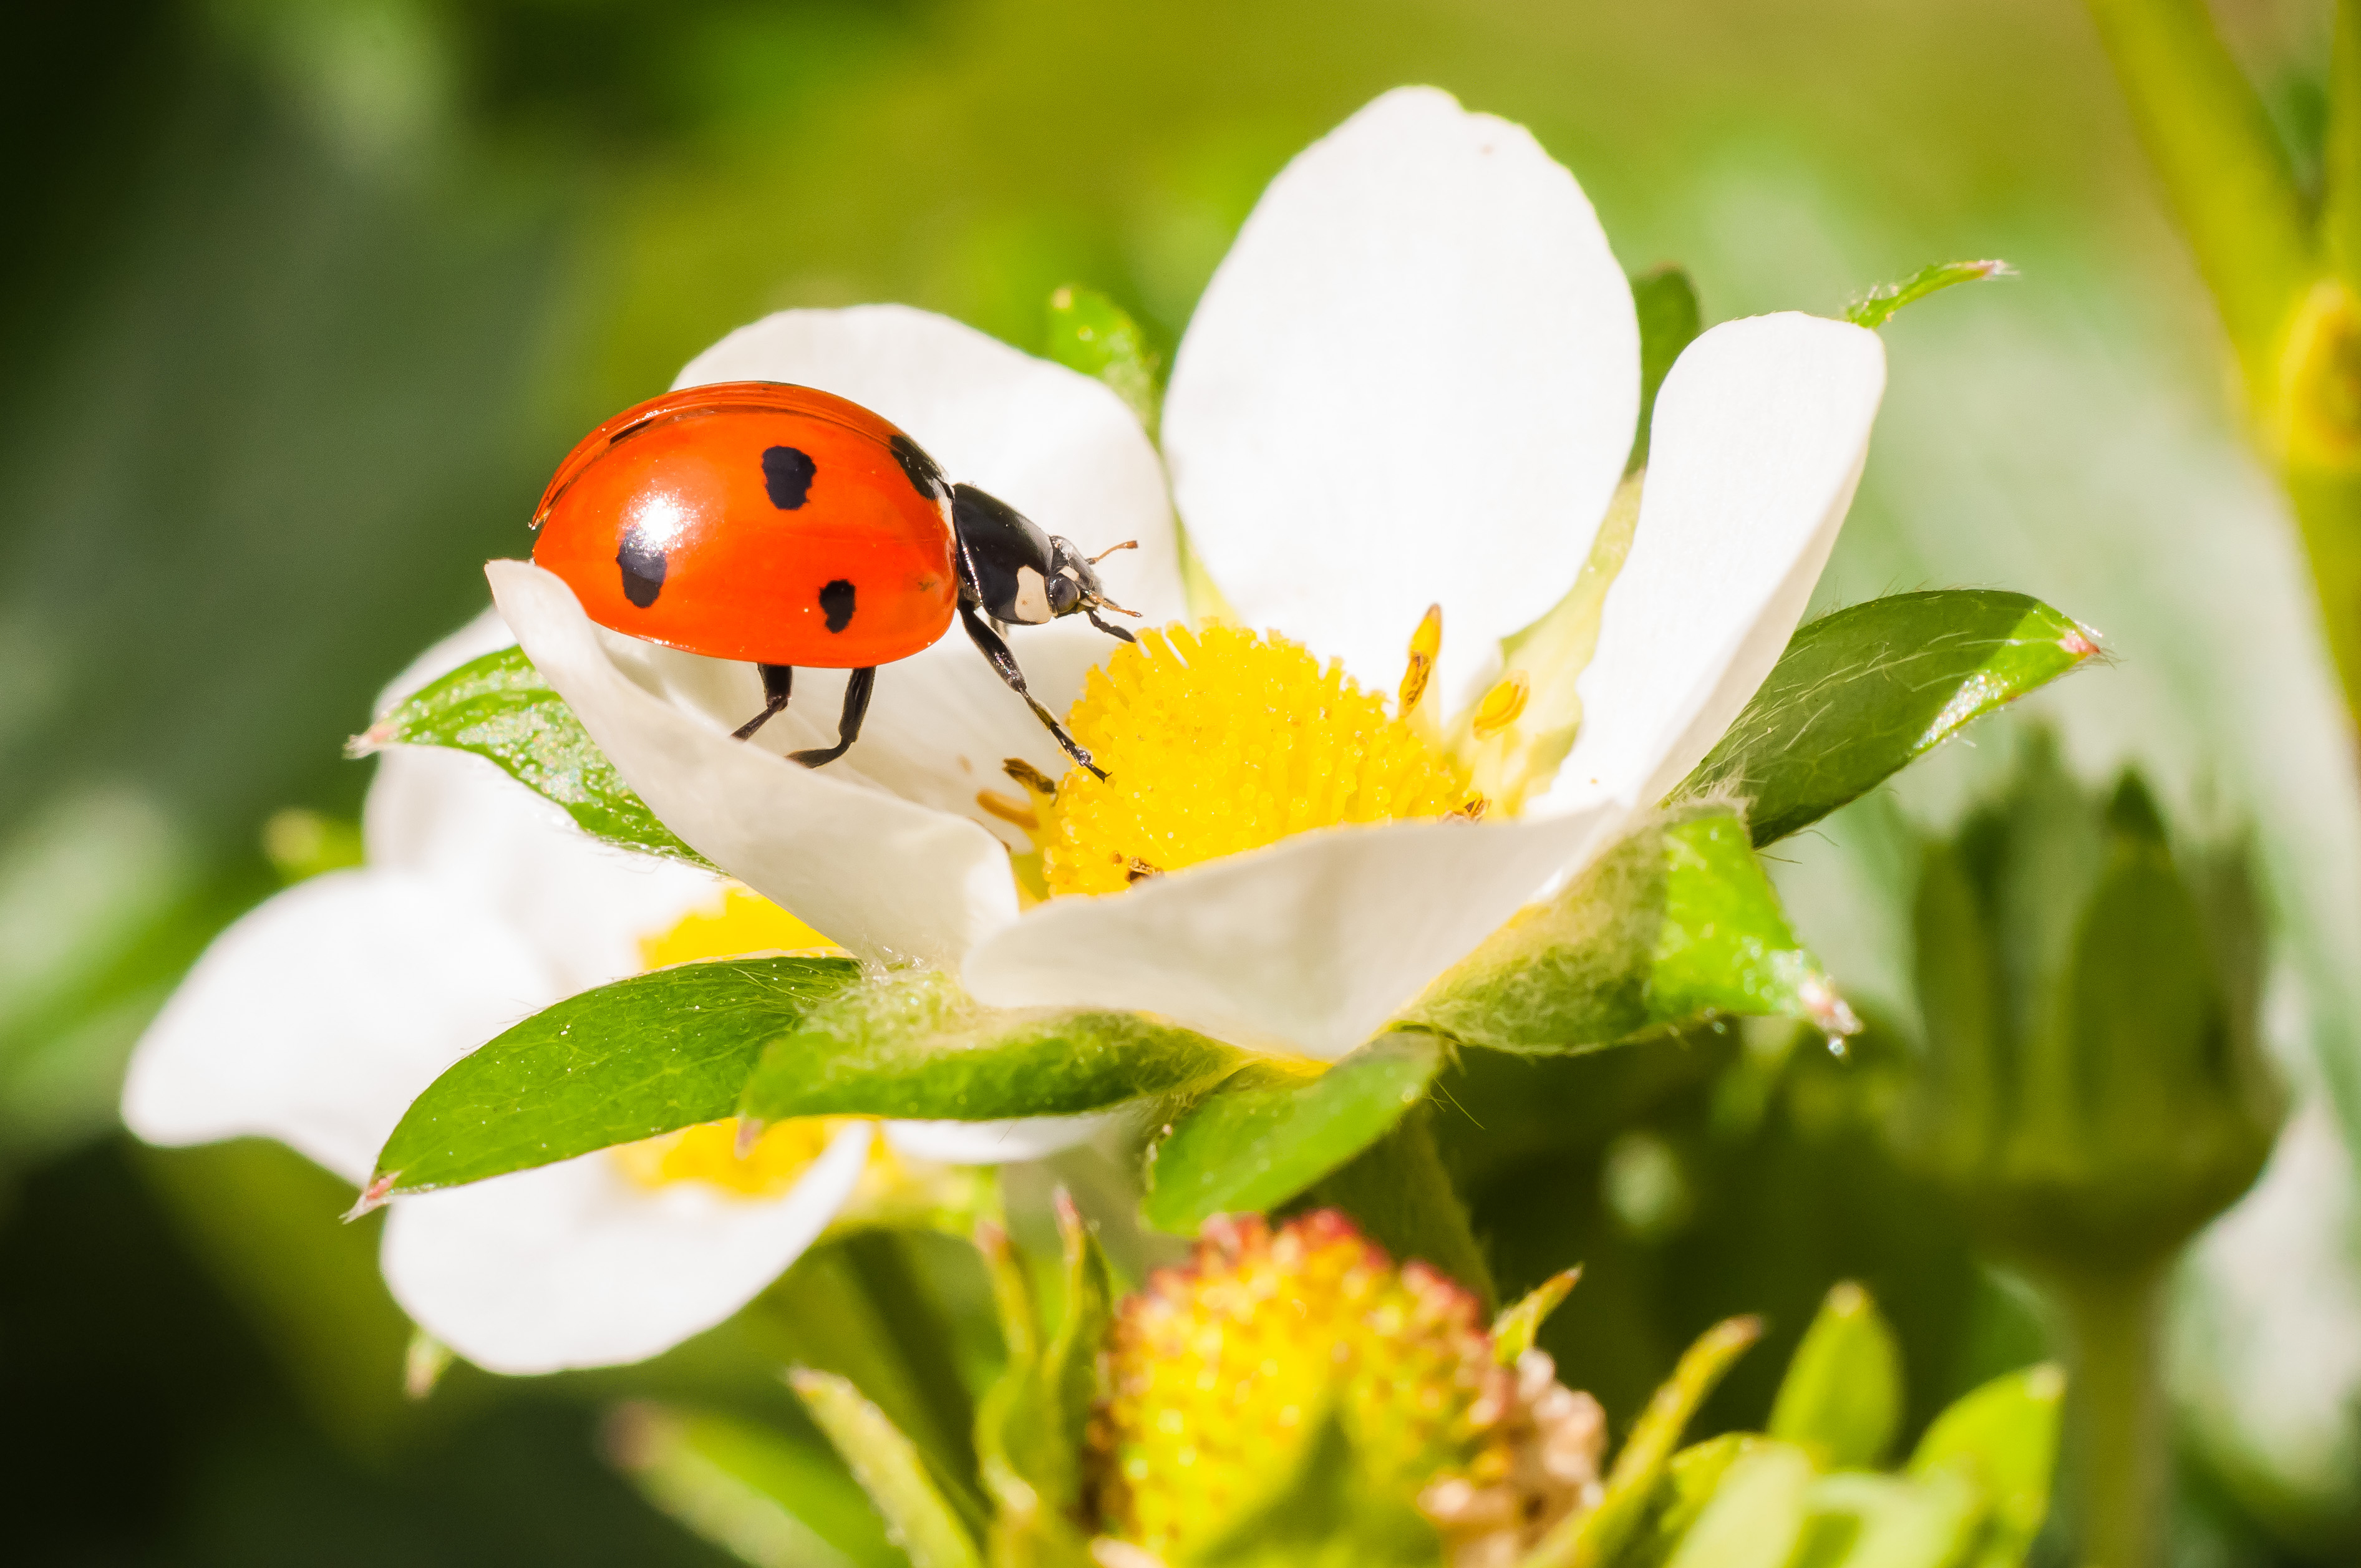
x: 2094, y: 1088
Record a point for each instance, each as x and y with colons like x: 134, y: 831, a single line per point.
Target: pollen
x: 741, y: 922
x: 711, y: 1154
x: 1219, y: 741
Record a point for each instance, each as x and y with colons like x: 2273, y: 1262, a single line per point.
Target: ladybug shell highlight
x: 755, y: 521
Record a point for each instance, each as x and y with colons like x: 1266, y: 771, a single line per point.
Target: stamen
x: 1425, y: 644
x: 1220, y: 740
x: 1014, y: 812
x: 1502, y: 704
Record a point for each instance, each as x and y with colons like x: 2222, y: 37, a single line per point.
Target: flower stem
x: 2116, y: 1417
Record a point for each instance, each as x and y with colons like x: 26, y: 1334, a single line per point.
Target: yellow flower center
x: 1219, y: 741
x: 738, y: 923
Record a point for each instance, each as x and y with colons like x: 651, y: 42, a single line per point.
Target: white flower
x: 1414, y: 379
x: 318, y: 1017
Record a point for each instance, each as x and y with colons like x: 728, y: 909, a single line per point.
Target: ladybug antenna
x: 1127, y: 545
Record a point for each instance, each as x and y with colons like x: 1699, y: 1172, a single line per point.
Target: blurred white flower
x: 1414, y: 380
x: 318, y: 1017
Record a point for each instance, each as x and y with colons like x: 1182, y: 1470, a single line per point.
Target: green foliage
x: 1325, y: 1514
x: 1273, y: 1128
x: 912, y: 1044
x: 2094, y: 1088
x: 1675, y: 921
x: 1670, y: 319
x: 1514, y: 1331
x: 918, y: 1517
x: 499, y: 706
x: 1031, y: 1424
x: 1842, y: 1399
x: 1862, y: 692
x: 1598, y: 1537
x: 747, y: 1487
x: 2004, y: 1438
x: 1091, y: 334
x: 1400, y: 1193
x: 1745, y: 1498
x: 1877, y: 307
x: 629, y: 1060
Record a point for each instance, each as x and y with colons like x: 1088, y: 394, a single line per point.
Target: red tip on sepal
x: 373, y: 1196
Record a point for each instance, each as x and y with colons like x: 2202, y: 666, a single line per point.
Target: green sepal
x: 1752, y: 1514
x: 1031, y: 1425
x: 499, y: 706
x: 1861, y: 1520
x: 749, y: 1488
x: 1863, y: 692
x: 1091, y: 334
x: 1597, y: 1536
x: 911, y: 1043
x: 1677, y: 920
x: 1691, y: 1481
x: 1514, y: 1331
x: 1670, y: 318
x: 1273, y: 1128
x: 629, y: 1060
x: 1877, y: 307
x: 2003, y: 1437
x: 918, y: 1518
x: 1323, y: 1514
x: 1840, y: 1400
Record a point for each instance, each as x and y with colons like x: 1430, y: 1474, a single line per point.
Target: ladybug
x: 784, y: 526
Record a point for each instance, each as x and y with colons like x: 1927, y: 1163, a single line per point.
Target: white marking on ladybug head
x: 1031, y: 602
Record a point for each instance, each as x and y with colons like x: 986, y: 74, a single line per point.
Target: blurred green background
x: 305, y: 297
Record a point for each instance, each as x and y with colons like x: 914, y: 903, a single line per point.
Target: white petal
x: 1759, y: 438
x: 884, y: 877
x: 498, y: 847
x: 1413, y: 379
x: 575, y: 1264
x: 996, y: 1143
x: 485, y: 635
x: 1305, y: 947
x: 1054, y: 443
x: 316, y: 1018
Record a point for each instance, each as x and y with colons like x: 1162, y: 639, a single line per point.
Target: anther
x: 1031, y: 777
x: 1015, y: 813
x: 1502, y: 704
x: 1425, y: 644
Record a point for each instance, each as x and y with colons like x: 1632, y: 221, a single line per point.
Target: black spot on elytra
x: 643, y: 569
x: 787, y: 475
x: 835, y: 603
x: 925, y: 475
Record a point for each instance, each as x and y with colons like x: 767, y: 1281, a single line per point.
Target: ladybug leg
x: 857, y: 687
x: 777, y: 679
x: 1004, y: 662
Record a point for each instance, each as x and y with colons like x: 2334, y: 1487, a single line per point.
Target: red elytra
x: 757, y: 522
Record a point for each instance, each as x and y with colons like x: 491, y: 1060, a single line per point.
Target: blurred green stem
x: 2116, y: 1417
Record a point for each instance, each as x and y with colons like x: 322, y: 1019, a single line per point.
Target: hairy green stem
x: 2116, y: 1420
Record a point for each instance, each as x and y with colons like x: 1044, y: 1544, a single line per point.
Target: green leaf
x: 1594, y: 1539
x: 756, y: 1493
x: 918, y: 1518
x: 1863, y: 692
x: 499, y: 706
x: 912, y: 1044
x: 1877, y: 307
x: 1877, y: 1521
x: 1755, y: 1513
x: 1514, y: 1331
x: 1325, y: 1515
x: 1670, y: 319
x: 1691, y: 1481
x: 2004, y: 1438
x: 1842, y: 1398
x: 1400, y: 1194
x: 1031, y: 1427
x: 629, y: 1060
x: 1273, y: 1128
x: 1091, y: 334
x: 1677, y: 920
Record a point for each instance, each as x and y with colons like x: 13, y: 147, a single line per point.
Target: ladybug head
x: 1074, y: 584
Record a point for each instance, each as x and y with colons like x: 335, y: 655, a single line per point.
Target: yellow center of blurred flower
x: 1221, y: 740
x: 709, y: 1154
x: 740, y: 922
